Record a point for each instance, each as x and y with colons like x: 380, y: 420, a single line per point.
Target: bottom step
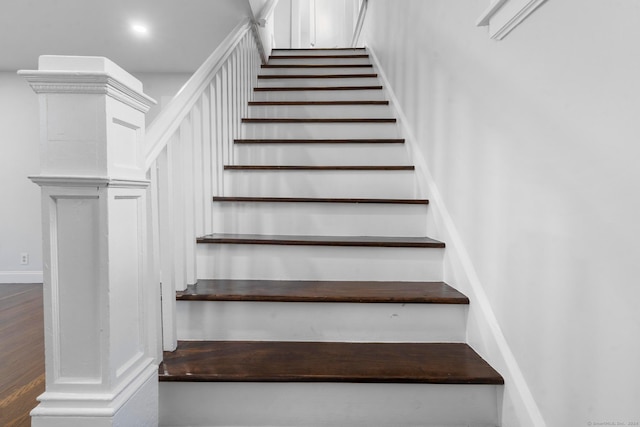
x: 248, y: 383
x: 327, y: 405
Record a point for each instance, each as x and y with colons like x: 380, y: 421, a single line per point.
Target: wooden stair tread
x: 318, y: 76
x: 351, y: 56
x: 314, y: 88
x: 318, y: 168
x: 275, y: 361
x: 320, y: 200
x: 316, y: 66
x: 323, y: 291
x: 314, y: 49
x: 298, y: 240
x: 321, y: 120
x: 319, y: 141
x: 305, y: 103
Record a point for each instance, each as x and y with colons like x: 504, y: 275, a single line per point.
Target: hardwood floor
x: 21, y: 352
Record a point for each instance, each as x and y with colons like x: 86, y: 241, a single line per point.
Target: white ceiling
x: 182, y: 33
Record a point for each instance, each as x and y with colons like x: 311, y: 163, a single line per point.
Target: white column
x: 100, y: 333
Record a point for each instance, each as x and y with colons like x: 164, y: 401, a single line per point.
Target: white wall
x: 282, y: 24
x: 161, y: 87
x: 20, y: 223
x: 334, y: 22
x: 20, y: 228
x: 315, y: 23
x: 534, y: 145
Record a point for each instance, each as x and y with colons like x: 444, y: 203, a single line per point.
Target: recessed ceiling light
x: 139, y: 29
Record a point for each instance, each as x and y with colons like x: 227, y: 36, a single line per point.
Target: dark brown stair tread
x: 350, y: 56
x: 268, y: 103
x: 318, y: 76
x: 368, y: 241
x: 318, y: 168
x: 314, y: 49
x: 276, y: 361
x: 317, y: 66
x: 322, y: 120
x: 323, y: 291
x: 314, y: 88
x: 320, y: 141
x: 320, y: 200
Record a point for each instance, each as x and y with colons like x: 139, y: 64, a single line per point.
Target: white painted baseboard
x: 484, y: 332
x: 20, y: 277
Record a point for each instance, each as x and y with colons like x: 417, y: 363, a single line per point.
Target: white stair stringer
x: 321, y: 154
x: 317, y: 218
x: 327, y: 404
x: 293, y: 262
x: 321, y: 183
x: 320, y: 321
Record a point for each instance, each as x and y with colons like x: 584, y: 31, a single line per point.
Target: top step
x: 320, y: 52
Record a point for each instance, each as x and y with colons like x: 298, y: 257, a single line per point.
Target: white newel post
x: 100, y: 324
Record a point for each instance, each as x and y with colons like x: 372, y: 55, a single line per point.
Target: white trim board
x: 502, y: 16
x: 486, y: 337
x: 11, y: 277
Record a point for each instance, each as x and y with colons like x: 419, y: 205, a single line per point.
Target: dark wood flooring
x: 21, y: 352
x: 266, y: 361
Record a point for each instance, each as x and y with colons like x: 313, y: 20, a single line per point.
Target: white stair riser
x: 321, y: 154
x: 319, y: 52
x: 311, y: 82
x: 327, y: 404
x: 318, y: 60
x: 317, y: 219
x: 320, y: 95
x: 321, y: 111
x: 317, y: 70
x: 319, y: 130
x: 299, y: 321
x: 358, y: 184
x: 290, y: 262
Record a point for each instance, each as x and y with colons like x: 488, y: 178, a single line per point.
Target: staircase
x: 320, y: 299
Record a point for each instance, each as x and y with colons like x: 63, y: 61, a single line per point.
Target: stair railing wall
x: 187, y: 147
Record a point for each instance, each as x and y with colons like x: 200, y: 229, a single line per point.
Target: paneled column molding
x: 101, y: 325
